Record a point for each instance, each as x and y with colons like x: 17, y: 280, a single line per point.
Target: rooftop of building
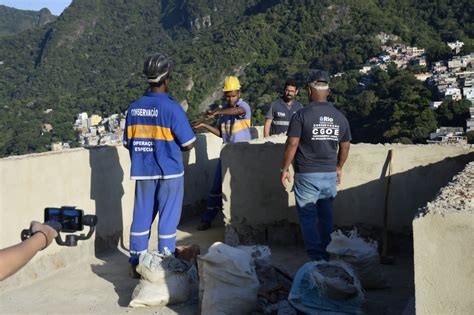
x: 93, y: 277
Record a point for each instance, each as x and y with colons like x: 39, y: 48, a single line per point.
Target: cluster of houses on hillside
x: 452, y: 79
x: 94, y: 130
x: 393, y: 52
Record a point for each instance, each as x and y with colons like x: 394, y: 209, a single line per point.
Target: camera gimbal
x: 71, y: 239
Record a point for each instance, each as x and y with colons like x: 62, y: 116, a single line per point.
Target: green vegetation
x: 13, y: 21
x: 90, y: 59
x: 394, y: 107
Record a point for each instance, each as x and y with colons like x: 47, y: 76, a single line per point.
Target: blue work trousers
x: 156, y: 196
x: 314, y: 194
x: 214, y: 199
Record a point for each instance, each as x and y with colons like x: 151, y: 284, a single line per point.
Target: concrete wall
x: 97, y: 181
x: 443, y: 236
x: 255, y: 202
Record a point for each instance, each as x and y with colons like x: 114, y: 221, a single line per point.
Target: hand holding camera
x: 65, y: 219
x: 49, y: 232
x: 39, y: 236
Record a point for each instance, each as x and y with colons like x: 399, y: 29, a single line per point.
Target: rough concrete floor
x: 102, y: 285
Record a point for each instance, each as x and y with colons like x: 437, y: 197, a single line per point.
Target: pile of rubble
x: 458, y: 195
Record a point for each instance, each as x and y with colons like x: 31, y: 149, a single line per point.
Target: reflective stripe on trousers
x: 159, y: 196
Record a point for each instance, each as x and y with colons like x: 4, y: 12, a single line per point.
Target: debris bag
x: 273, y: 287
x: 155, y: 267
x: 326, y: 287
x: 165, y: 280
x: 362, y: 255
x: 262, y: 258
x: 228, y: 281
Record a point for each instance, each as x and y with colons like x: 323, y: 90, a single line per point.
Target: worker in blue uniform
x: 156, y: 131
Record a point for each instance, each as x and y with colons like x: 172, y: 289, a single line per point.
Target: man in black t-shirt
x: 318, y: 140
x: 280, y: 112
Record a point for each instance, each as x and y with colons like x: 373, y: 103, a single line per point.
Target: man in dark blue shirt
x: 279, y: 114
x: 318, y: 140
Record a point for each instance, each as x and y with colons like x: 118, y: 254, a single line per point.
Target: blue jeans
x: 314, y: 194
x: 214, y: 199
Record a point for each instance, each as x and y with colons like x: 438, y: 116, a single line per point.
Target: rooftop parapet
x: 444, y: 249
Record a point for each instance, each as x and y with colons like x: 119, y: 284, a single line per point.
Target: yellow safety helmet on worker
x: 231, y: 83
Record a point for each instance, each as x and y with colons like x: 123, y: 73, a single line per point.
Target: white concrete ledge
x: 443, y: 236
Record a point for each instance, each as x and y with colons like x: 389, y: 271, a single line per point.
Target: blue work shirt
x: 156, y: 129
x: 236, y: 128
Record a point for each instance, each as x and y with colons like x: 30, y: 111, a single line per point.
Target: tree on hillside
x: 453, y: 113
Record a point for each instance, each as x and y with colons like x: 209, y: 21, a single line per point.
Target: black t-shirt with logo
x: 320, y: 128
x: 281, y: 113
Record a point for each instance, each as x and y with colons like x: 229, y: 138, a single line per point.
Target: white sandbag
x: 176, y: 289
x: 155, y: 267
x: 229, y: 282
x: 165, y: 280
x: 362, y: 255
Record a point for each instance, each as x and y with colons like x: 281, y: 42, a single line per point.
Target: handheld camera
x: 69, y: 220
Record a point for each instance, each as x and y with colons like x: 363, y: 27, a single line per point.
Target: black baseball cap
x: 318, y: 75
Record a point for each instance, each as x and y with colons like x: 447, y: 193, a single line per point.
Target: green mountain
x: 13, y: 21
x: 90, y: 58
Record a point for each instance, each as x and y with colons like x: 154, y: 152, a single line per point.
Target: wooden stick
x: 385, y: 212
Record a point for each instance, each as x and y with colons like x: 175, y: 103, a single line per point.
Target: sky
x: 55, y: 6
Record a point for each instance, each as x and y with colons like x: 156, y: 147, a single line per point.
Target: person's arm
x: 341, y: 158
x: 268, y: 121
x: 187, y: 147
x: 15, y: 257
x: 235, y: 111
x: 212, y: 129
x: 125, y: 139
x: 182, y: 130
x: 290, y: 150
x: 125, y: 133
x: 266, y: 127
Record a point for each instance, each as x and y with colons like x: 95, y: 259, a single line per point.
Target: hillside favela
x: 237, y: 157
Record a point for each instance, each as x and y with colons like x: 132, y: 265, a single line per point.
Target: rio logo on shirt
x: 325, y: 119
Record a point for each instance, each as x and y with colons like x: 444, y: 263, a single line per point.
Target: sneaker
x: 204, y: 225
x: 132, y: 272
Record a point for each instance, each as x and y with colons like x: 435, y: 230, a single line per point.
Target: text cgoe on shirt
x: 320, y: 127
x: 155, y: 129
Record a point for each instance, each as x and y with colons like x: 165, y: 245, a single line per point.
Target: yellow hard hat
x: 231, y: 84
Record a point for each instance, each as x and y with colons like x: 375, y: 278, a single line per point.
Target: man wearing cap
x: 234, y: 121
x: 156, y: 131
x: 318, y: 141
x: 278, y: 116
